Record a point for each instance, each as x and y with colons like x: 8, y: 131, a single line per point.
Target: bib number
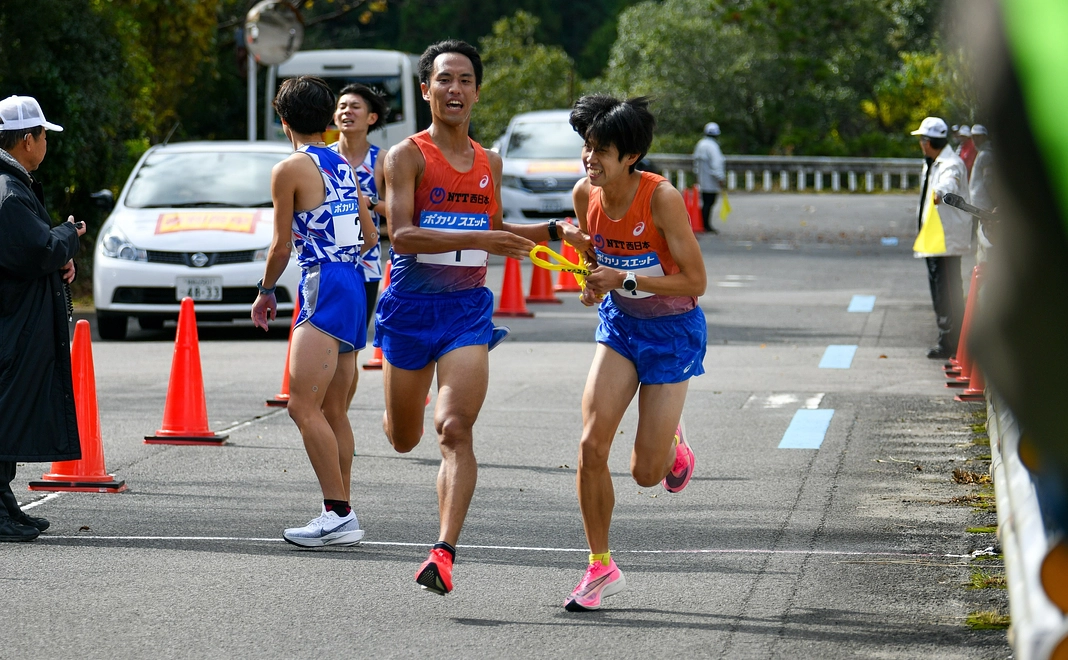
x: 347, y: 231
x: 640, y: 264
x: 447, y: 221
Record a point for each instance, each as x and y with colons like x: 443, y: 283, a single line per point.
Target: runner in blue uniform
x: 319, y: 211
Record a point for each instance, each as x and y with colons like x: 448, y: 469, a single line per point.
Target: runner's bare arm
x: 380, y: 186
x: 367, y: 224
x: 404, y: 167
x: 283, y: 194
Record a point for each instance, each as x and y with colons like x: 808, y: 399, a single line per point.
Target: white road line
x: 46, y: 498
x: 521, y: 548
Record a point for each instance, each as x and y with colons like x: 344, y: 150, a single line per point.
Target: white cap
x: 979, y: 129
x: 712, y: 129
x: 932, y: 127
x: 21, y: 112
x: 965, y: 131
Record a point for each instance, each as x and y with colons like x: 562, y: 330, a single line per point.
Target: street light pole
x: 252, y: 70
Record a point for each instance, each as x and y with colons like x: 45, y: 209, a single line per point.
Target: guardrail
x: 800, y: 173
x: 1034, y: 554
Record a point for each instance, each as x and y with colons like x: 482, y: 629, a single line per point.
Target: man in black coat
x: 38, y: 422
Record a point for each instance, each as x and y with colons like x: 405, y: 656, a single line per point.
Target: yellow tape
x: 580, y: 271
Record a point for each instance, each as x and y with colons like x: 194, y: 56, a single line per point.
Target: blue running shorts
x: 666, y: 349
x: 333, y: 301
x: 415, y: 329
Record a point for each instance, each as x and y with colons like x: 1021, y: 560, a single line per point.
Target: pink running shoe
x: 599, y: 582
x: 435, y: 575
x: 681, y: 472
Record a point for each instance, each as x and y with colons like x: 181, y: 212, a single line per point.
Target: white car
x: 542, y: 157
x: 194, y: 219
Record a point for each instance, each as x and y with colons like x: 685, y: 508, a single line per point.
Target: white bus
x: 392, y: 74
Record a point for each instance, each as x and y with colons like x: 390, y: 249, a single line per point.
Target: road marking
x: 782, y: 400
x: 807, y: 429
x: 39, y: 502
x: 838, y: 356
x: 522, y: 548
x: 861, y: 304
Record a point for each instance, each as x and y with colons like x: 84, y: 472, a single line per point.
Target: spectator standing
x: 944, y: 172
x: 39, y: 423
x: 981, y: 176
x: 966, y: 148
x: 710, y: 167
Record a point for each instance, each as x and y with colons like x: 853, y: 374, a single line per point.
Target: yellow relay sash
x: 579, y: 270
x: 932, y: 237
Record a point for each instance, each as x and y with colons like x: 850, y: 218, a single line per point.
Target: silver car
x: 542, y: 156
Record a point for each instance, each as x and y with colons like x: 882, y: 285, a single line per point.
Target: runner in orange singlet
x: 651, y: 338
x: 436, y: 316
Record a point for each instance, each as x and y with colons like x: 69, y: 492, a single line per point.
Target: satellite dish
x: 273, y: 32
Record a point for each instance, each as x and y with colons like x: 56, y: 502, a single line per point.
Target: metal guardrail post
x: 836, y: 181
x: 767, y: 180
x: 886, y: 182
x: 749, y: 181
x: 819, y: 181
x: 732, y: 180
x: 800, y: 180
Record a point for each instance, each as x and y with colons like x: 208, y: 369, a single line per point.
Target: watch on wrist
x: 554, y: 233
x: 630, y: 282
x: 373, y: 198
x: 264, y: 290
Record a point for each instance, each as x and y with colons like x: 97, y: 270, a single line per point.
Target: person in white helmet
x: 709, y: 164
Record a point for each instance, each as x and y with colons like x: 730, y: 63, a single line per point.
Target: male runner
x: 651, y: 338
x: 443, y: 192
x: 320, y: 211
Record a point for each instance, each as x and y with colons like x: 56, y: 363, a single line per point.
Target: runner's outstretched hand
x: 507, y: 244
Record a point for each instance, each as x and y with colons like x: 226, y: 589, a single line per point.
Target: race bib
x: 448, y: 221
x: 347, y: 230
x: 639, y: 264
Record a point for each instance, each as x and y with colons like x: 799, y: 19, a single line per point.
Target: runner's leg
x: 659, y: 412
x: 313, y: 365
x: 405, y: 392
x: 336, y: 411
x: 610, y: 387
x: 463, y: 379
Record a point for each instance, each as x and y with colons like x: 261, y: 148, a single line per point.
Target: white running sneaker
x: 328, y: 529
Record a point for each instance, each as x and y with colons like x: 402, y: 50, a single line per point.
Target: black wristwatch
x: 554, y: 233
x: 264, y: 290
x: 373, y: 198
x: 630, y: 283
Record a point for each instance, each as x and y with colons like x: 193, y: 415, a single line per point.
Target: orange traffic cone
x: 976, y: 390
x: 693, y: 208
x: 566, y: 282
x: 959, y: 373
x: 185, y: 415
x: 376, y: 357
x: 512, y: 303
x: 281, y: 400
x: 541, y: 287
x: 88, y: 474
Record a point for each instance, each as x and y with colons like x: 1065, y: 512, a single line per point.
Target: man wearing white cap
x: 36, y: 390
x: 944, y: 172
x: 709, y: 164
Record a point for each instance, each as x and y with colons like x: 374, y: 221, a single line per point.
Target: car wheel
x: 150, y: 322
x: 111, y: 326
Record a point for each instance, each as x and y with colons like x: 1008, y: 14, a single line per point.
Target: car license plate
x: 199, y: 288
x: 551, y: 205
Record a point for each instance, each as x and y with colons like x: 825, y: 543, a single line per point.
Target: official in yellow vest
x: 945, y: 233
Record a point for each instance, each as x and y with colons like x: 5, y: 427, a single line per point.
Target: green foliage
x: 520, y: 75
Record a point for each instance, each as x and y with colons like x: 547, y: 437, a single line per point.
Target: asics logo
x: 639, y: 228
x: 484, y: 182
x: 687, y: 368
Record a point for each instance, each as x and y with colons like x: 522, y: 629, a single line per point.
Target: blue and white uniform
x: 327, y: 241
x: 370, y: 263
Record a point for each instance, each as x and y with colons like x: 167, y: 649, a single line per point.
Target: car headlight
x: 114, y: 244
x: 510, y: 181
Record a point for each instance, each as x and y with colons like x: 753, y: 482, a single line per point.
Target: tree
x: 520, y: 75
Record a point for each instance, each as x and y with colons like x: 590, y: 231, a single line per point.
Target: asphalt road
x: 854, y: 549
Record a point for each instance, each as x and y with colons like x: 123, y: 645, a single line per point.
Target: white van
x: 393, y: 74
x: 542, y: 157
